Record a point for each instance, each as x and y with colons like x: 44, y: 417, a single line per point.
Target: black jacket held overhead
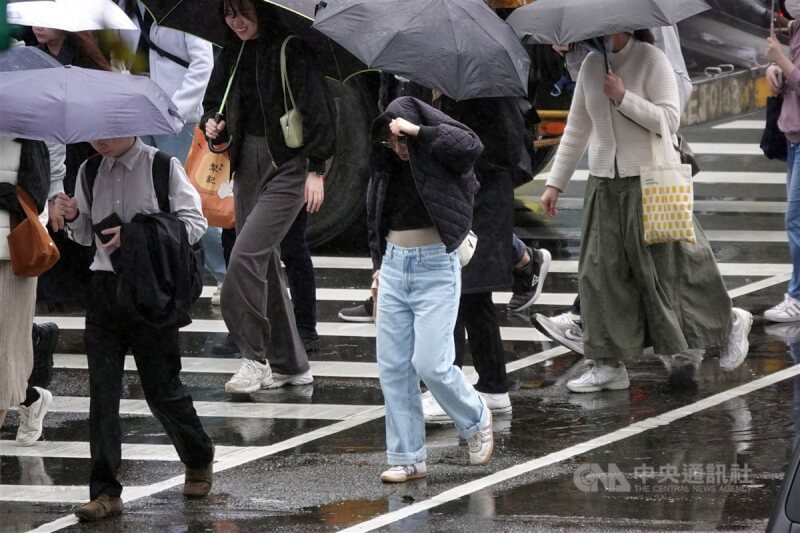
x: 442, y: 157
x: 307, y: 85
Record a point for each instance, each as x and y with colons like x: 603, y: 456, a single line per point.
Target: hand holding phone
x: 111, y: 221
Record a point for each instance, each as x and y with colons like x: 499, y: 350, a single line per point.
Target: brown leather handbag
x: 32, y: 250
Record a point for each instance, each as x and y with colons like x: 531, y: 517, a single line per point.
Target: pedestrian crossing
x: 344, y: 396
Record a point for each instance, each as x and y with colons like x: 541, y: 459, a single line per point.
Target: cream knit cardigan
x: 650, y: 93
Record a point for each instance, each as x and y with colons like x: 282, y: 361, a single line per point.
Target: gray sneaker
x: 481, y: 444
x: 565, y: 329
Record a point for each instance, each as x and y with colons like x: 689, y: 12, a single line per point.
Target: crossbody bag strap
x: 284, y: 79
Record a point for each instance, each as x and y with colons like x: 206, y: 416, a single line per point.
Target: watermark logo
x: 687, y: 478
x: 591, y: 477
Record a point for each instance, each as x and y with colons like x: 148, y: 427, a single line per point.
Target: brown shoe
x: 198, y: 481
x: 101, y: 507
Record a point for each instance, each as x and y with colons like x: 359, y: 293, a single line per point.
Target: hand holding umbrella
x: 614, y: 88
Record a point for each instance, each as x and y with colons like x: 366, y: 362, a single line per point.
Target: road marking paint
x: 741, y: 125
x: 80, y: 450
x: 562, y: 233
x: 730, y: 178
x: 572, y: 451
x: 290, y: 411
x: 700, y: 206
x: 726, y: 148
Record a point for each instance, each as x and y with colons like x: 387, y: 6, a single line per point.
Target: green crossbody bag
x: 292, y: 120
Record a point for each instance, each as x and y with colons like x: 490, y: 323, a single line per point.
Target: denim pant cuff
x: 466, y: 433
x: 399, y: 459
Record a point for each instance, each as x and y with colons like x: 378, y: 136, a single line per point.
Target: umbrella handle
x: 214, y: 150
x: 217, y: 118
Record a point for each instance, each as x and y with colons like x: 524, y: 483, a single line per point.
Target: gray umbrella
x: 572, y: 21
x: 73, y: 104
x: 26, y: 58
x: 459, y: 47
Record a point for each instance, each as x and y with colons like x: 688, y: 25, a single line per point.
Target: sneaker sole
x: 572, y: 345
x: 418, y: 475
x: 355, y: 318
x: 618, y: 386
x: 781, y: 320
x: 47, y: 400
x: 277, y: 384
x: 543, y: 270
x: 232, y: 389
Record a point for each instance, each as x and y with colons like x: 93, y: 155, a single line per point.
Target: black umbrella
x: 459, y: 47
x: 203, y: 18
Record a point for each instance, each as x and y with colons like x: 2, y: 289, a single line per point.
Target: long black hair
x: 644, y: 36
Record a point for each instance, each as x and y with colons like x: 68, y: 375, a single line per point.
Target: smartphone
x: 110, y: 221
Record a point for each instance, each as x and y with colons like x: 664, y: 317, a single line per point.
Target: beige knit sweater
x: 650, y: 93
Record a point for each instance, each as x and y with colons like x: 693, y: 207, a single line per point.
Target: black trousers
x: 478, y: 317
x: 108, y: 336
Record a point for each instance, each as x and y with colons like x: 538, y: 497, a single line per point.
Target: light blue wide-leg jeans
x: 418, y: 294
x: 793, y: 215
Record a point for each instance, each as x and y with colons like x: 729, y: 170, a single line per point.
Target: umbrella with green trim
x: 204, y: 19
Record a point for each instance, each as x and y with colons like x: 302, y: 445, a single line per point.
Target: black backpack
x: 161, y: 175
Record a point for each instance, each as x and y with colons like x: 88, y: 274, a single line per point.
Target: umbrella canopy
x: 73, y: 104
x: 203, y: 19
x: 26, y: 58
x: 69, y: 15
x: 572, y: 21
x: 459, y: 47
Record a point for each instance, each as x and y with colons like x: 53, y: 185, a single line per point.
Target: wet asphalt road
x: 307, y: 459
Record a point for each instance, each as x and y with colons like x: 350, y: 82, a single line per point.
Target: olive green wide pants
x: 668, y: 296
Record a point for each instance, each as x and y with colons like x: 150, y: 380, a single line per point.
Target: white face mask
x: 793, y: 8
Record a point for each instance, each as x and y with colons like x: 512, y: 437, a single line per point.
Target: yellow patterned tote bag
x: 667, y: 194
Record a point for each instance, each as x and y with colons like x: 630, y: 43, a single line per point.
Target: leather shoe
x: 101, y: 507
x: 198, y: 481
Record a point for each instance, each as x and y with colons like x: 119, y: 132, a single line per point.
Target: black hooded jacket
x: 307, y: 85
x: 442, y: 157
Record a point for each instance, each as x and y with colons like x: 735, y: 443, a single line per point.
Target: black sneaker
x: 310, y: 338
x: 226, y: 347
x: 359, y: 313
x: 529, y: 280
x: 45, y: 340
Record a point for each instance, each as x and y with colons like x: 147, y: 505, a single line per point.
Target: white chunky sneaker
x: 786, y: 311
x: 403, y: 473
x: 281, y: 380
x: 216, y: 298
x: 738, y: 343
x: 31, y: 418
x: 565, y: 329
x: 597, y: 377
x: 497, y: 403
x: 481, y: 444
x: 250, y: 377
x: 432, y: 411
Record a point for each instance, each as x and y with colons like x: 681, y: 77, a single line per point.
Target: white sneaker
x: 432, y: 411
x: 216, y: 298
x: 738, y: 343
x: 497, y: 403
x: 281, y: 380
x: 31, y: 418
x: 786, y: 311
x: 250, y: 377
x: 481, y: 444
x: 403, y: 473
x: 597, y: 377
x: 565, y: 329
